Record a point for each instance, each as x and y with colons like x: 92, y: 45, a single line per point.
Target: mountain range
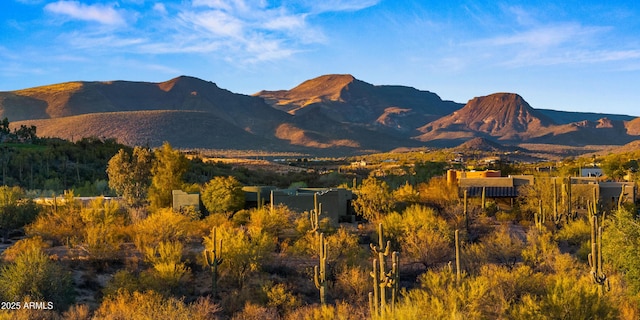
x: 331, y: 114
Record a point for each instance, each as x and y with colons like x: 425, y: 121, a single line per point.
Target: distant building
x: 335, y: 202
x: 583, y: 188
x: 591, y: 172
x: 183, y: 200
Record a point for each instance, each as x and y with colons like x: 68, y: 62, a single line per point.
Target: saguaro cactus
x: 381, y: 279
x: 315, y: 221
x: 484, y: 203
x: 320, y: 272
x: 595, y: 257
x: 465, y: 210
x: 213, y: 259
x: 556, y: 216
x: 567, y: 200
x: 394, y: 279
x: 538, y: 217
x: 458, y: 272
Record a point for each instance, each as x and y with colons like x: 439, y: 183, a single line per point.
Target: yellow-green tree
x: 130, y: 175
x: 374, y: 199
x: 168, y: 169
x: 223, y: 194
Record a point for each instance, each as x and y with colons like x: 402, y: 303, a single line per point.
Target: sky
x: 562, y: 55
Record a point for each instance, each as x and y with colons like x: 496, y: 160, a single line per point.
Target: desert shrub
x: 341, y: 311
x: 243, y: 252
x: 151, y: 305
x: 77, y: 312
x: 253, y: 311
x: 280, y: 297
x: 16, y: 210
x: 620, y: 246
x: 24, y: 245
x: 540, y: 250
x: 438, y: 297
x: 272, y: 222
x: 123, y: 280
x: 566, y: 298
x: 100, y: 242
x: 61, y: 225
x: 473, y: 256
x: 438, y: 191
x: 509, y: 286
x: 406, y: 194
x: 575, y: 233
x: 424, y: 236
x: 343, y: 249
x: 163, y: 225
x: 503, y: 246
x: 349, y: 285
x: 168, y: 268
x: 33, y: 275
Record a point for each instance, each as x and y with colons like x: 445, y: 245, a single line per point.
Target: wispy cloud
x: 96, y: 12
x: 340, y: 5
x: 551, y: 44
x: 548, y: 36
x: 237, y: 30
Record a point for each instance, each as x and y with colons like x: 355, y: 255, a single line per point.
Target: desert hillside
x: 328, y: 114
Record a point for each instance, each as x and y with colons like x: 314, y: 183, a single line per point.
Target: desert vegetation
x: 419, y: 248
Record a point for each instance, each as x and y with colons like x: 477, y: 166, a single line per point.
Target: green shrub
x: 33, y: 275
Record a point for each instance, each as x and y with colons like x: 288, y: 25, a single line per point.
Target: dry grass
x: 51, y: 89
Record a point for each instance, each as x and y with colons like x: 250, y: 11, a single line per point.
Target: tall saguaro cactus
x: 213, y: 258
x: 320, y: 271
x: 383, y: 279
x: 595, y: 257
x: 458, y: 272
x: 538, y: 217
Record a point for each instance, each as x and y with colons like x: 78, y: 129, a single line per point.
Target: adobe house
x: 335, y: 202
x: 182, y: 200
x: 494, y: 185
x: 607, y: 192
x: 583, y: 188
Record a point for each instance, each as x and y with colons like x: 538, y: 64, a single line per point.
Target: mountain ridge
x: 335, y: 112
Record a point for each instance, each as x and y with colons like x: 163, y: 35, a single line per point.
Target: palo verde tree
x: 374, y: 199
x: 223, y: 194
x: 130, y: 175
x: 167, y: 172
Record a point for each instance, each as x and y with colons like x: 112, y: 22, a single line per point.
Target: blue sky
x: 563, y: 55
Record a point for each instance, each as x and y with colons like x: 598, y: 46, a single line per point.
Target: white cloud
x: 215, y: 23
x: 98, y: 13
x: 159, y: 7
